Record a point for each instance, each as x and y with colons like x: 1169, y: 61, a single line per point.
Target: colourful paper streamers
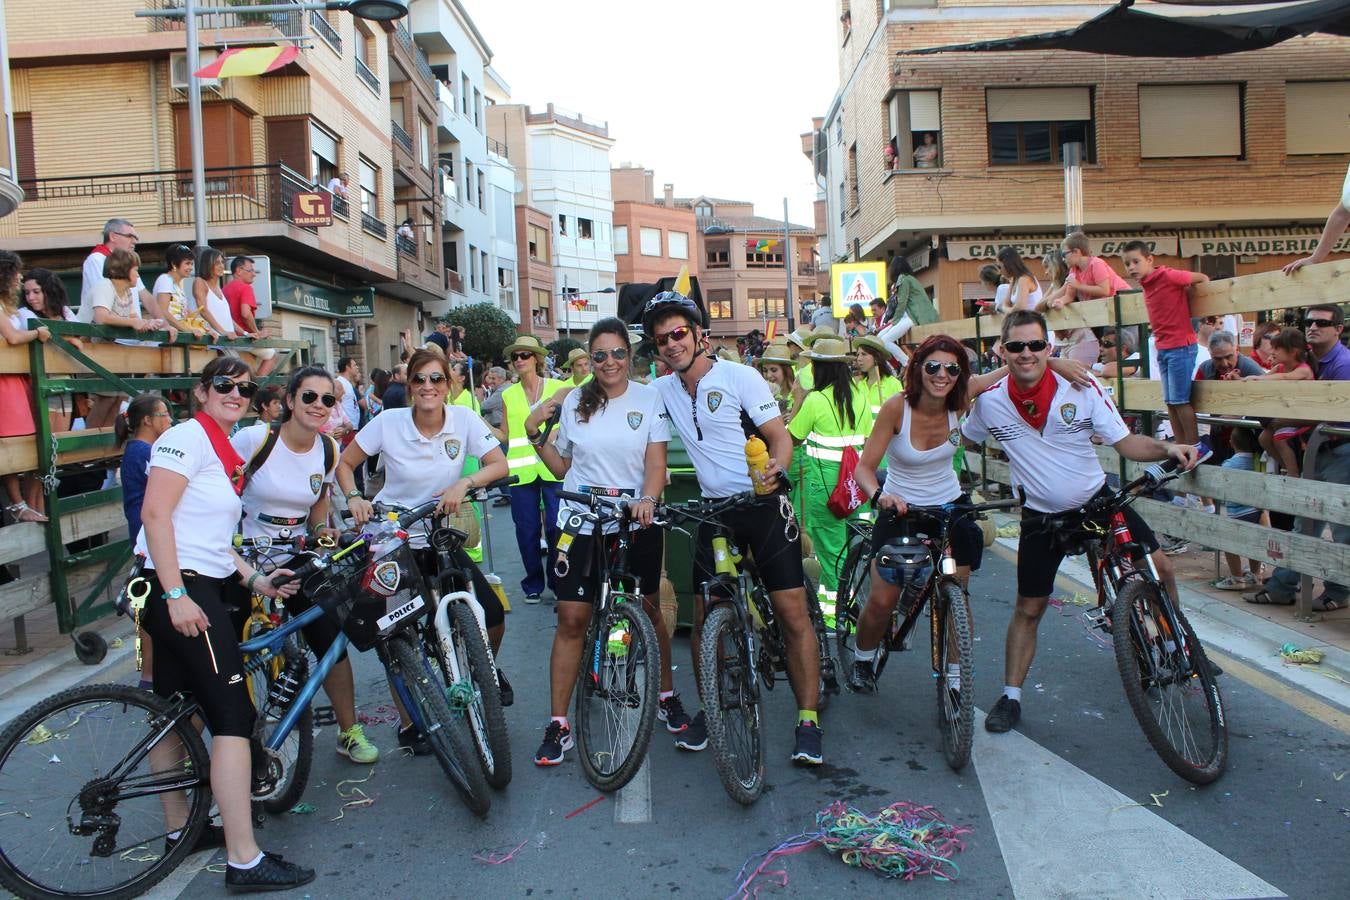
x: 356, y: 798
x: 496, y: 858
x: 581, y: 809
x: 249, y: 61
x: 383, y: 715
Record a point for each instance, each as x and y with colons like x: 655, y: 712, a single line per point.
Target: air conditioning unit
x: 179, y: 74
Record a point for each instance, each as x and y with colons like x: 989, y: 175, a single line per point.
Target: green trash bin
x: 679, y: 546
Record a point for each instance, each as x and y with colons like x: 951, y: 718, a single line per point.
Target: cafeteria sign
x: 1159, y: 245
x: 859, y: 283
x: 332, y: 301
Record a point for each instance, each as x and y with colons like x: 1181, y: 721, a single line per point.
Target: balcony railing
x: 806, y: 268
x: 404, y: 139
x: 341, y: 208
x: 291, y: 24
x: 406, y: 245
x: 424, y: 68
x: 323, y: 29
x: 374, y: 225
x: 496, y: 147
x: 370, y: 78
x: 404, y: 36
x: 454, y: 281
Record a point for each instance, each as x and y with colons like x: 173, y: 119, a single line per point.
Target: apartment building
x: 652, y: 240
x: 11, y: 195
x: 91, y: 105
x: 1225, y: 164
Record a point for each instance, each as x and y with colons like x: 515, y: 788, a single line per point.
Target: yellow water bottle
x: 757, y: 458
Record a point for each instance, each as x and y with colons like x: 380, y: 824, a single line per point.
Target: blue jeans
x: 1176, y: 368
x: 534, y: 510
x: 1333, y: 465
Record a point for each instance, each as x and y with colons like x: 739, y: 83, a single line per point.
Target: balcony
x: 497, y: 147
x: 370, y: 78
x: 401, y: 137
x: 806, y: 269
x: 374, y: 225
x: 290, y: 24
x: 327, y: 32
x: 406, y: 246
x: 341, y: 208
x: 454, y: 282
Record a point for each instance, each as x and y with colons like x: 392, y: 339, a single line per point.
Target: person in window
x: 337, y: 186
x: 926, y: 154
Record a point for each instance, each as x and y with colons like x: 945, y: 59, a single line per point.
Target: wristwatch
x: 876, y: 497
x: 174, y: 593
x: 353, y: 493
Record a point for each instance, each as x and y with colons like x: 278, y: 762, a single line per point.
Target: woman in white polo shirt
x: 424, y: 446
x: 188, y: 520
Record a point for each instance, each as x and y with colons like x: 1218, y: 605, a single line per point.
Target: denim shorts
x: 1176, y: 367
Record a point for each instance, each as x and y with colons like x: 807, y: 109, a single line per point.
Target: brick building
x: 10, y: 193
x: 651, y: 240
x: 1227, y: 164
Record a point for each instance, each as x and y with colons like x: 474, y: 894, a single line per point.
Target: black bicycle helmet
x: 903, y: 559
x: 670, y: 302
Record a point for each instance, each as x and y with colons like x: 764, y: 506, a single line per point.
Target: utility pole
x: 791, y: 304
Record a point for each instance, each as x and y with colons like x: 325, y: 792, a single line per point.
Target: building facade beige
x: 651, y: 240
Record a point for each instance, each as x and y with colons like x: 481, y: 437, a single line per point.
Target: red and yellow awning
x: 249, y: 61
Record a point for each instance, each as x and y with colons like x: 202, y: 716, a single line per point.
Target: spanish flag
x: 249, y: 61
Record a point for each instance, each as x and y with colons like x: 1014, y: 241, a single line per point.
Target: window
x: 424, y: 143
x: 317, y: 339
x: 620, y: 240
x: 1028, y: 126
x: 763, y: 254
x: 719, y: 304
x: 1307, y: 127
x: 677, y: 244
x: 362, y: 45
x: 231, y: 144
x: 428, y: 230
x: 452, y: 256
x: 911, y: 117
x: 473, y: 268
x: 1190, y: 120
x: 703, y: 210
x: 464, y: 95
x: 853, y: 177
x: 480, y: 181
x: 538, y: 242
x: 483, y: 269
x: 717, y: 254
x: 477, y: 108
x: 585, y: 229
x: 562, y: 224
x: 370, y: 192
x: 506, y: 287
x: 766, y: 303
x: 25, y: 159
x: 323, y: 156
x: 649, y: 241
x: 540, y: 308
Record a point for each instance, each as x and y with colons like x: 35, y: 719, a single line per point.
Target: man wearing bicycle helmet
x: 1045, y: 425
x: 716, y: 405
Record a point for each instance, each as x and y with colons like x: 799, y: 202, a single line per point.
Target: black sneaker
x: 808, y: 750
x: 272, y: 874
x: 411, y: 738
x: 557, y: 741
x: 695, y: 737
x: 533, y: 598
x: 211, y: 838
x: 671, y: 711
x: 1003, y: 716
x: 504, y: 688
x: 862, y: 680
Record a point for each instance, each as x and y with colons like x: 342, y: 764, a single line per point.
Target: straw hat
x: 575, y: 354
x: 526, y: 342
x: 829, y: 349
x: 871, y: 343
x: 775, y: 353
x: 728, y: 355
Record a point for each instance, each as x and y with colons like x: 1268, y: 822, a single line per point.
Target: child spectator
x: 1243, y: 460
x: 16, y: 391
x: 146, y: 418
x: 1280, y: 436
x: 269, y: 403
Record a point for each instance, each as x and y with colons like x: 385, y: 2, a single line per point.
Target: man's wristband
x: 353, y: 493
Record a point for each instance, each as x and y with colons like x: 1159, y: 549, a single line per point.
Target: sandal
x: 22, y: 513
x: 1263, y: 598
x: 1326, y: 603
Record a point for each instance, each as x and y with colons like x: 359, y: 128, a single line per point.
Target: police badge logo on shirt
x: 1067, y: 411
x: 452, y: 447
x: 634, y: 420
x: 954, y: 437
x: 714, y: 400
x: 315, y: 482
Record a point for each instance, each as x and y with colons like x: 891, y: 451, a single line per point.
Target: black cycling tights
x: 215, y: 675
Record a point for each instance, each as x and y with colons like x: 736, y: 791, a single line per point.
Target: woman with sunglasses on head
x: 424, y: 447
x: 290, y: 472
x: 189, y: 517
x: 208, y: 296
x: 611, y: 440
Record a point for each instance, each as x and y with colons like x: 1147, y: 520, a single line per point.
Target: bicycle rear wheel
x: 617, y: 692
x: 296, y: 754
x: 472, y: 666
x: 854, y: 588
x: 1173, y: 696
x: 733, y: 706
x: 447, y: 732
x: 956, y: 647
x: 82, y: 759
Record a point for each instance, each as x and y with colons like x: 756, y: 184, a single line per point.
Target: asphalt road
x: 1072, y: 804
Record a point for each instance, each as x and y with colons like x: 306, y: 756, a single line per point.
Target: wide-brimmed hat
x: 526, y: 342
x: 775, y: 353
x: 575, y: 354
x: 871, y: 343
x: 829, y: 349
x: 727, y: 354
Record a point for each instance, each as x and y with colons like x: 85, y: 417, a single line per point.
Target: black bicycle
x: 619, y: 681
x: 922, y: 554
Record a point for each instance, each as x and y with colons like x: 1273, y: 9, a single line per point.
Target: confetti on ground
x: 496, y: 857
x: 1339, y: 776
x: 382, y: 715
x: 302, y: 809
x: 115, y: 644
x: 139, y: 854
x: 19, y: 812
x: 1296, y: 655
x: 581, y: 809
x: 1009, y: 531
x: 355, y: 797
x: 215, y: 869
x: 1157, y: 801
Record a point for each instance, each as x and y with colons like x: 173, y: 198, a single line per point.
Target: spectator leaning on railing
x: 118, y: 234
x: 16, y: 391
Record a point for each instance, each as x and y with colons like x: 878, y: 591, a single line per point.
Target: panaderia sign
x: 1037, y: 247
x: 1256, y: 245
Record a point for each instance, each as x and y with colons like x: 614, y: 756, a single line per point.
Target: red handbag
x: 846, y: 496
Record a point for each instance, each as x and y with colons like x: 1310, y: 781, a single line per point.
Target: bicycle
x: 1163, y: 667
x: 618, y: 683
x: 931, y: 587
x: 90, y: 777
x: 741, y: 639
x: 853, y: 574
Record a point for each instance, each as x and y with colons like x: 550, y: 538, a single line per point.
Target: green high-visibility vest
x: 879, y: 393
x: 521, y: 458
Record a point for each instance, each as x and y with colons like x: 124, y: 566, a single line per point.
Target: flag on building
x: 249, y: 61
x: 761, y: 245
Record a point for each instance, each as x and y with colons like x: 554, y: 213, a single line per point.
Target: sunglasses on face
x: 224, y: 384
x: 932, y: 367
x: 674, y: 334
x: 308, y: 397
x: 599, y: 356
x: 432, y: 377
x: 1317, y: 323
x: 521, y: 355
x: 1018, y: 346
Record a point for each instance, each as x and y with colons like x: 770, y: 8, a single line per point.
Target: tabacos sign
x: 1257, y: 245
x: 1113, y: 245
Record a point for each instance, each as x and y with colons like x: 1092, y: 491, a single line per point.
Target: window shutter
x: 25, y: 159
x: 1316, y: 117
x: 924, y: 113
x: 1040, y: 104
x: 1180, y: 120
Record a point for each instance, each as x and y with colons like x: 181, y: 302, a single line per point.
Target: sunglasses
x: 224, y: 384
x: 521, y: 355
x: 674, y: 334
x: 932, y: 367
x: 424, y: 377
x: 599, y: 356
x: 1018, y: 346
x: 308, y: 397
x: 1318, y: 323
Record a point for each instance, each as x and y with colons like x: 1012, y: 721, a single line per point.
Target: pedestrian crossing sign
x: 859, y: 283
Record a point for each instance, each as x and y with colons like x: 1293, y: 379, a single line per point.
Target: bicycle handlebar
x: 349, y: 542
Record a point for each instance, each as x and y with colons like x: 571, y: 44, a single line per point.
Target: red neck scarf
x: 103, y: 249
x: 225, y: 452
x: 1034, y: 405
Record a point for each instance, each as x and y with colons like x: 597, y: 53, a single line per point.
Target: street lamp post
x: 568, y: 293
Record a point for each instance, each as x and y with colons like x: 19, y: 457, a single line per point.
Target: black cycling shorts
x: 763, y: 529
x: 581, y: 580
x: 493, y: 613
x: 1039, y: 554
x: 214, y: 674
x: 967, y: 538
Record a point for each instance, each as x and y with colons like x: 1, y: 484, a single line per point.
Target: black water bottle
x: 286, y: 685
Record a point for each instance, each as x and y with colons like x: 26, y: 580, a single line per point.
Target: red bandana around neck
x: 103, y: 250
x: 225, y: 452
x: 1034, y: 405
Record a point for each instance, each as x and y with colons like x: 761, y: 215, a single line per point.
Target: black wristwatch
x: 876, y: 497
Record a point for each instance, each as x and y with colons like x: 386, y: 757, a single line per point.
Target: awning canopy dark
x: 1123, y: 31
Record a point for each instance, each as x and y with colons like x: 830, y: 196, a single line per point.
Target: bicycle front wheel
x: 88, y: 778
x: 1169, y: 683
x: 472, y: 668
x: 447, y: 732
x: 956, y: 656
x: 617, y: 692
x: 296, y: 754
x: 732, y: 702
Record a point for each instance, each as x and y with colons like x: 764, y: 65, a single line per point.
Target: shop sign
x: 1034, y: 247
x: 346, y: 331
x: 1257, y: 245
x: 311, y: 209
x: 289, y: 292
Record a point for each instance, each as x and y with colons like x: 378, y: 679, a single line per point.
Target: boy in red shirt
x: 1167, y: 298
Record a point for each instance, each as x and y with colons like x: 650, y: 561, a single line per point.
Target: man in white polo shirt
x: 1045, y: 425
x: 118, y: 234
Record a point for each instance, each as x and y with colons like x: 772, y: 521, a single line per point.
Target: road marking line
x: 1039, y: 801
x: 633, y: 805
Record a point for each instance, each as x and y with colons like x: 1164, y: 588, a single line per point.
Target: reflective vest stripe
x: 840, y: 441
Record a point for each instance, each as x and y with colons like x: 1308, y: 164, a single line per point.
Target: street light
x: 375, y: 10
x: 569, y: 292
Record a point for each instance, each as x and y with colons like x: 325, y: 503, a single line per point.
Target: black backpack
x: 330, y: 454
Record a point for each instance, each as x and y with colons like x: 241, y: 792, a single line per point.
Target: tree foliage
x: 561, y: 347
x: 487, y: 330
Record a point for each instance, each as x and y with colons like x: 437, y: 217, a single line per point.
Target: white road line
x: 1063, y: 833
x: 633, y: 805
x: 178, y: 880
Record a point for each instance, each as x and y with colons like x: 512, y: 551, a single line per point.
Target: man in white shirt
x: 337, y: 186
x: 118, y: 234
x: 1045, y: 427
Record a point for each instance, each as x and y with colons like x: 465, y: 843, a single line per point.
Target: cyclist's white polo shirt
x: 1058, y: 467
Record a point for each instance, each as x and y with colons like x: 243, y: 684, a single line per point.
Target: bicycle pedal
x: 324, y: 716
x: 1098, y: 618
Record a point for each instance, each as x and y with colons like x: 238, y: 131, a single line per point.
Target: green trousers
x: 829, y: 535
